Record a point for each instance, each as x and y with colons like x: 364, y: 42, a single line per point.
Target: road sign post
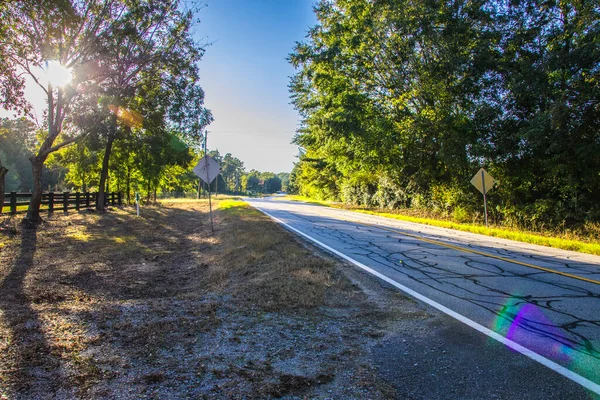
x: 483, y: 182
x: 484, y: 197
x: 207, y: 170
x: 137, y: 203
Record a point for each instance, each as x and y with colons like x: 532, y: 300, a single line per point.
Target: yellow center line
x: 481, y: 253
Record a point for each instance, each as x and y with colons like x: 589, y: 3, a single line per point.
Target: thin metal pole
x: 484, y: 198
x: 212, y: 228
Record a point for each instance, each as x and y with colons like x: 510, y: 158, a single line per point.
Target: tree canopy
x: 403, y: 101
x: 135, y: 84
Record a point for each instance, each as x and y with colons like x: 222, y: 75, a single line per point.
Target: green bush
x: 390, y: 194
x: 461, y: 214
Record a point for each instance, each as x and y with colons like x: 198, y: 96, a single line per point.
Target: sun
x: 57, y: 74
x: 53, y: 73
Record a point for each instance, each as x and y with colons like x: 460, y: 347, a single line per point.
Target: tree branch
x: 64, y: 143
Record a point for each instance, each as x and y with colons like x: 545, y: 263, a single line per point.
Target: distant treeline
x: 403, y: 101
x: 148, y: 164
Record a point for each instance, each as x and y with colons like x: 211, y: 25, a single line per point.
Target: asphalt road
x: 541, y: 302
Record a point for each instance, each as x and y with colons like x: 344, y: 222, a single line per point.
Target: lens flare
x: 128, y: 117
x: 526, y: 324
x: 532, y: 329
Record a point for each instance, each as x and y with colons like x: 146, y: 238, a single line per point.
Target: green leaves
x: 417, y: 96
x: 135, y: 68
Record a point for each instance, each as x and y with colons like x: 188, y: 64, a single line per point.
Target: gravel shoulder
x: 118, y: 307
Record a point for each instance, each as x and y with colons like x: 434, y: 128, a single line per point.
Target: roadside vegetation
x: 583, y: 240
x: 404, y: 101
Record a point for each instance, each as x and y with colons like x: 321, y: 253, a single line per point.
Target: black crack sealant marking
x: 474, y: 286
x: 479, y: 289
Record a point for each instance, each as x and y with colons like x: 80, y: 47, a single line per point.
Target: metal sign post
x: 483, y: 182
x: 484, y: 197
x: 212, y: 228
x: 207, y: 170
x: 137, y: 203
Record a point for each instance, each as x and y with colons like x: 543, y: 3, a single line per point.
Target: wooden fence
x: 17, y: 202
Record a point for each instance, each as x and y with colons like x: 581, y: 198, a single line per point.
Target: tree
x: 161, y: 150
x: 81, y: 160
x: 153, y: 75
x: 545, y: 144
x: 111, y: 46
x: 284, y: 177
x: 58, y: 35
x: 3, y: 171
x: 402, y: 101
x: 252, y: 181
x: 292, y: 186
x: 380, y: 99
x: 272, y: 184
x: 12, y: 82
x: 17, y: 141
x: 232, y: 169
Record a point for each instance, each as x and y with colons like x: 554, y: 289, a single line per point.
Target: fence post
x: 13, y: 202
x: 65, y: 201
x: 77, y: 199
x: 87, y: 199
x: 119, y: 199
x: 51, y: 202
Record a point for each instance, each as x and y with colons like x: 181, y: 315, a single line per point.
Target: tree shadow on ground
x: 145, y: 258
x: 31, y: 360
x: 56, y: 284
x: 158, y: 305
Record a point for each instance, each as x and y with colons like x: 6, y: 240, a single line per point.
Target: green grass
x: 6, y: 209
x: 592, y: 247
x: 179, y: 200
x: 305, y: 199
x: 220, y: 197
x: 231, y: 203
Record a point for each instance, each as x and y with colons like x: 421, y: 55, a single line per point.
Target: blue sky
x: 245, y: 76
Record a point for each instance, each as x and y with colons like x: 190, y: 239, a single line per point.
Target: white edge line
x: 567, y: 373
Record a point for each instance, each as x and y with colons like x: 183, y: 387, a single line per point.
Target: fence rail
x: 18, y: 202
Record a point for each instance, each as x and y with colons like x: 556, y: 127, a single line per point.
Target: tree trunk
x: 84, y: 181
x: 120, y: 184
x: 3, y: 172
x: 104, y: 173
x: 33, y: 212
x: 128, y: 186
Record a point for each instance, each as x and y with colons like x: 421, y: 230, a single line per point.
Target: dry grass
x: 266, y: 268
x: 103, y: 305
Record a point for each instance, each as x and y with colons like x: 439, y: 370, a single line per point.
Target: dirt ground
x: 114, y: 306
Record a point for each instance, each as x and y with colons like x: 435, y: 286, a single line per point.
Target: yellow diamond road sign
x: 483, y: 179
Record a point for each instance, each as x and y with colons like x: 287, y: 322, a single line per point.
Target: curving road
x: 542, y: 302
